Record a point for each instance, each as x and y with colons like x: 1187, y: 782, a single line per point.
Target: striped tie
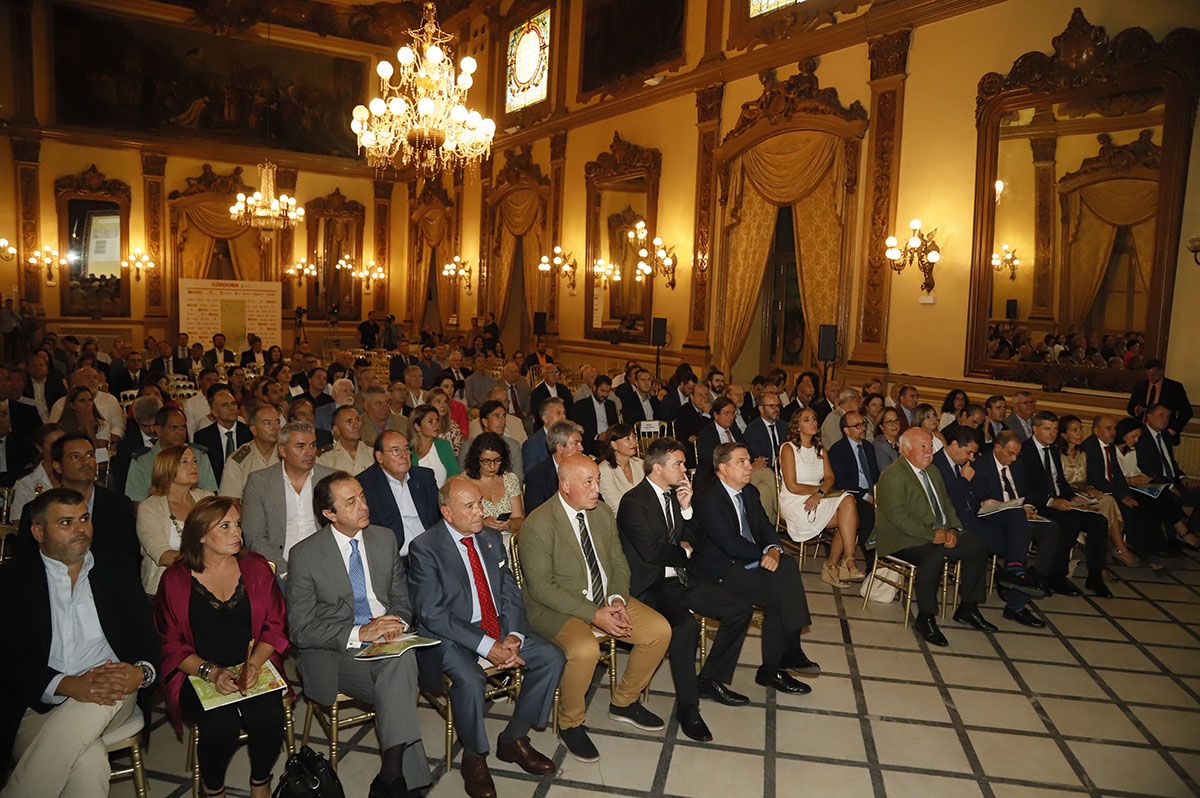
x: 358, y: 586
x: 589, y: 556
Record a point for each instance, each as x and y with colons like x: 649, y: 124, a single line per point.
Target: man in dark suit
x: 856, y: 470
x: 41, y: 379
x: 218, y: 354
x: 722, y: 429
x: 85, y: 633
x: 740, y: 551
x: 637, y: 401
x: 24, y: 416
x: 465, y: 596
x: 166, y: 363
x: 1156, y: 459
x: 538, y: 357
x: 595, y: 413
x: 549, y: 386
x: 1143, y: 525
x: 226, y: 434
x: 16, y: 451
x: 400, y: 361
x: 657, y: 525
x: 346, y: 587
x: 563, y: 438
x: 1050, y: 494
x: 139, y: 437
x: 692, y: 418
x: 763, y: 437
x: 1158, y: 389
x: 254, y: 355
x: 679, y: 396
x: 1020, y: 420
x: 996, y: 410
x: 972, y: 418
x: 535, y: 449
x: 1006, y: 532
x: 402, y: 496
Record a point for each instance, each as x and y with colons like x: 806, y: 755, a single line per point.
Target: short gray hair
x: 145, y: 408
x: 846, y: 394
x: 559, y: 434
x: 375, y: 390
x: 291, y: 428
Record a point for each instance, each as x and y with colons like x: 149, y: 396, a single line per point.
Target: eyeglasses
x: 891, y: 421
x: 395, y: 451
x: 859, y: 425
x: 491, y: 460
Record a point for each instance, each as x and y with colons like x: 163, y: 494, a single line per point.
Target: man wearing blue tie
x: 856, y: 470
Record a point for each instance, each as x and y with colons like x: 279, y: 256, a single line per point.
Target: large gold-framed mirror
x: 622, y: 200
x: 1080, y: 179
x: 334, y: 228
x: 93, y: 236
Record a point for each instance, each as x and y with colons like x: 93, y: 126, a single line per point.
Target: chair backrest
x: 126, y: 398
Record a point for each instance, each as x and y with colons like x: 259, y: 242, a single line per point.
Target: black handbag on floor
x: 308, y: 775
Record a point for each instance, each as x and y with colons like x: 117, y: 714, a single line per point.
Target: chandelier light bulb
x: 465, y: 81
x: 378, y: 106
x: 406, y: 56
x: 396, y: 106
x: 934, y: 256
x: 425, y: 106
x: 468, y: 65
x: 434, y: 54
x: 384, y: 69
x: 361, y: 113
x: 474, y: 119
x: 458, y: 113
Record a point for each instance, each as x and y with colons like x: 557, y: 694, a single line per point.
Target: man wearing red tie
x: 1157, y: 389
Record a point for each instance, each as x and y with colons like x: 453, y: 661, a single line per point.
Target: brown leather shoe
x: 522, y: 753
x: 477, y: 779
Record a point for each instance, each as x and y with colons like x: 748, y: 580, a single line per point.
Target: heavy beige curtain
x: 430, y: 223
x: 801, y: 169
x: 518, y: 214
x: 1093, y: 215
x: 203, y: 221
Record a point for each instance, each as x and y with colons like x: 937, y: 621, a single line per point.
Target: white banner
x: 232, y: 307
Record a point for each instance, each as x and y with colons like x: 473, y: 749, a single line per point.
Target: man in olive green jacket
x: 576, y: 581
x: 915, y: 521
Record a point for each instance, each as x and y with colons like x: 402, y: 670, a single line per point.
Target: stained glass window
x: 528, y: 63
x: 760, y: 7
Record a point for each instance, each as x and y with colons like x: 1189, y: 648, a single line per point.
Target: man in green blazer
x: 915, y: 521
x: 576, y: 585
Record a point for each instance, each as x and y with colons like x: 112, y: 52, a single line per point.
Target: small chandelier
x: 561, y: 262
x: 422, y: 119
x: 456, y: 271
x: 301, y: 270
x: 606, y: 273
x: 653, y: 259
x: 920, y: 249
x: 138, y: 262
x: 7, y: 250
x: 370, y: 274
x: 262, y: 210
x: 47, y: 258
x: 1006, y: 259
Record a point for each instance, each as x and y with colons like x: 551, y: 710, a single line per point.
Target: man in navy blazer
x: 464, y: 594
x: 588, y: 410
x: 1157, y: 389
x: 215, y: 438
x: 722, y: 429
x: 401, y: 496
x: 1050, y: 494
x: 632, y: 410
x: 856, y: 470
x: 564, y: 438
x: 739, y: 550
x: 1143, y: 524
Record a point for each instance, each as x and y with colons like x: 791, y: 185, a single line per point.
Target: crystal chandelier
x: 421, y: 119
x: 262, y: 209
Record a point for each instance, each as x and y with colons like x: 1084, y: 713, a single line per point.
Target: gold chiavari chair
x: 902, y: 575
x: 501, y: 682
x: 193, y: 756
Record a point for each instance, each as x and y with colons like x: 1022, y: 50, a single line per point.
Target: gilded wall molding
x: 708, y: 130
x: 558, y: 163
x: 285, y: 180
x: 383, y: 235
x: 154, y: 168
x: 26, y: 154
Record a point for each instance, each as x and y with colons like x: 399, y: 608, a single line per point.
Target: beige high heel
x: 829, y: 577
x: 848, y: 572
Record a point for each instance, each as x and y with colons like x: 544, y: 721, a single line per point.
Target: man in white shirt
x: 43, y: 477
x: 348, y: 452
x: 106, y: 404
x: 196, y: 408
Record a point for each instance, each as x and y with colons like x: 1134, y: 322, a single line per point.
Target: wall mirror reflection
x: 93, y: 223
x: 334, y: 226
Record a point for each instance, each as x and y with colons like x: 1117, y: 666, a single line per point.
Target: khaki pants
x: 768, y: 490
x: 59, y: 753
x: 650, y: 637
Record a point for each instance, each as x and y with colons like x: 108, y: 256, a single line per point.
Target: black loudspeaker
x: 539, y: 323
x: 658, y: 331
x: 1010, y: 310
x: 827, y: 343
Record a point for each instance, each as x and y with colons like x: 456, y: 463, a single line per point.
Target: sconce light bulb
x: 668, y: 262
x: 890, y: 242
x: 557, y: 250
x: 914, y: 242
x: 999, y: 187
x: 892, y: 254
x: 915, y: 224
x: 934, y: 256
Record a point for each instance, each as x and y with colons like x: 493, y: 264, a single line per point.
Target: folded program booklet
x: 395, y: 648
x: 269, y: 681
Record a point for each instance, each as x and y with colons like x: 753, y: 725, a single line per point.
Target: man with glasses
x: 763, y: 437
x: 856, y: 470
x: 402, y: 496
x: 1021, y: 419
x: 170, y: 427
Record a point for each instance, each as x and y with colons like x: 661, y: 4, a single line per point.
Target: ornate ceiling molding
x: 1084, y: 55
x: 799, y: 94
x: 92, y: 183
x: 209, y: 182
x: 889, y: 54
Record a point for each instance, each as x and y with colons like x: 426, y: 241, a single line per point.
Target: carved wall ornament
x: 433, y: 193
x: 1139, y: 153
x: 1084, y: 55
x: 335, y: 205
x: 623, y: 157
x: 94, y: 184
x: 154, y: 164
x: 708, y: 103
x: 209, y: 181
x: 799, y: 94
x: 889, y: 54
x: 520, y: 166
x: 26, y: 150
x: 558, y: 145
x: 746, y: 31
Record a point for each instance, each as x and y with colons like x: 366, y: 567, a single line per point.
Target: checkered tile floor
x: 1104, y: 701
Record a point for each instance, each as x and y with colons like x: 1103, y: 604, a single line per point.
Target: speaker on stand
x: 658, y: 339
x: 827, y: 337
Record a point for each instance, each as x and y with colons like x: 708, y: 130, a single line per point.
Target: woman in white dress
x: 807, y: 477
x: 620, y: 467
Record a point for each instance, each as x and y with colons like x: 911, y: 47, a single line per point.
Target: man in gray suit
x: 1020, y: 420
x: 277, y: 504
x: 476, y: 386
x: 346, y: 588
x: 465, y: 594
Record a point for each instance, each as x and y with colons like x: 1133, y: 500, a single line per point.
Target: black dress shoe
x: 691, y: 724
x: 781, y: 681
x: 382, y: 788
x: 1025, y: 617
x: 637, y: 715
x: 1010, y: 580
x: 973, y: 618
x: 797, y: 661
x: 928, y: 630
x: 579, y: 744
x: 1039, y: 581
x: 715, y: 691
x: 1097, y: 586
x: 1064, y: 587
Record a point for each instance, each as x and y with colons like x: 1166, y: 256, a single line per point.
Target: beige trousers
x: 650, y: 637
x: 59, y: 753
x: 764, y: 480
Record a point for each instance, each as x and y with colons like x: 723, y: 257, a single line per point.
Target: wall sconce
x: 605, y: 273
x: 920, y: 249
x: 561, y: 262
x: 137, y: 263
x: 652, y: 260
x: 7, y: 250
x: 999, y: 190
x: 48, y: 258
x: 1193, y: 246
x: 301, y: 270
x: 371, y: 274
x: 1006, y: 258
x: 345, y: 263
x: 457, y: 270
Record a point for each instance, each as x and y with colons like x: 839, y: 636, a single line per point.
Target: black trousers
x: 677, y: 603
x: 866, y: 525
x: 1143, y: 526
x: 931, y: 558
x: 1072, y: 522
x: 785, y: 608
x: 1006, y: 534
x: 262, y: 717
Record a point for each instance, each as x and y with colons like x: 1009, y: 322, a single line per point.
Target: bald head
x: 1105, y: 428
x: 579, y: 481
x: 462, y: 505
x: 916, y: 446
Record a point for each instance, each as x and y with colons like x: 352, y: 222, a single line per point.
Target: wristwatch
x: 148, y: 674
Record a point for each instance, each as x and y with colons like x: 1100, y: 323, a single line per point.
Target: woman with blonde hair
x: 429, y: 448
x: 807, y: 477
x: 927, y: 418
x: 451, y: 432
x: 160, y: 518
